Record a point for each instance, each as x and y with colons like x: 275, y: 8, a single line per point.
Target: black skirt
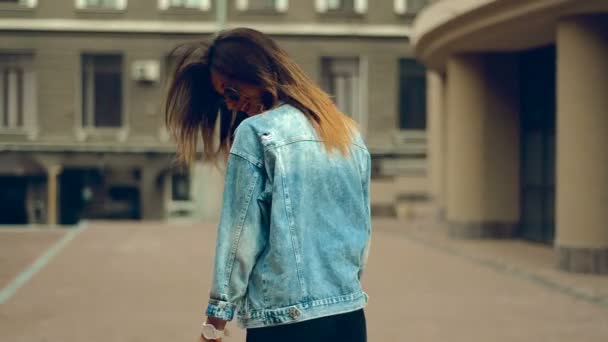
x: 347, y: 327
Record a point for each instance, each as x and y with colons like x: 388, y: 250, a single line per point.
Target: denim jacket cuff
x: 221, y: 309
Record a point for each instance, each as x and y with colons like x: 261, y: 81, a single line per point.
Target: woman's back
x: 314, y: 224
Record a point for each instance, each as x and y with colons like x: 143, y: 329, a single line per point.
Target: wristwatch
x: 211, y: 333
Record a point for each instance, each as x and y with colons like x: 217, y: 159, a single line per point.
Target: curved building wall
x: 507, y: 160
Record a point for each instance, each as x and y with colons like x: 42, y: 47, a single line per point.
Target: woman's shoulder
x: 254, y: 133
x: 278, y: 124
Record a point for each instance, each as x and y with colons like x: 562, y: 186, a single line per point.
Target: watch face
x: 209, y: 332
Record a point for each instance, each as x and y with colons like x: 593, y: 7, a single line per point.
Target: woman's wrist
x: 219, y: 324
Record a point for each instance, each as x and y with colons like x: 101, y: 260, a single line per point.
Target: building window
x: 409, y: 6
x: 341, y: 5
x: 180, y: 187
x: 262, y: 5
x: 102, y: 91
x: 11, y: 99
x: 346, y: 6
x: 101, y: 4
x: 17, y: 98
x: 23, y: 3
x: 412, y: 95
x: 341, y: 79
x: 203, y: 5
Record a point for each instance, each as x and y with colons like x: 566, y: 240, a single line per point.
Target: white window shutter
x: 321, y: 6
x: 281, y: 5
x: 242, y: 5
x: 361, y: 6
x: 13, y: 97
x: 29, y: 106
x: 2, y: 99
x: 163, y: 4
x: 80, y: 4
x: 400, y: 6
x: 205, y: 5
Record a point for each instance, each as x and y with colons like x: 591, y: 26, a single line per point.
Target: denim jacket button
x: 294, y: 313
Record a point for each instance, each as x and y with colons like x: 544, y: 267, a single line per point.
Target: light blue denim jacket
x: 295, y: 227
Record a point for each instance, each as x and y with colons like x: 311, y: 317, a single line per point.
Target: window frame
x: 165, y: 5
x: 20, y: 4
x: 403, y: 7
x: 361, y: 94
x: 280, y: 6
x: 121, y: 5
x: 403, y: 75
x: 181, y: 176
x: 359, y: 7
x: 83, y: 129
x: 26, y: 121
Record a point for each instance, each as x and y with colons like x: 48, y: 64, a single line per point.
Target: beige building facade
x: 518, y: 122
x: 81, y: 83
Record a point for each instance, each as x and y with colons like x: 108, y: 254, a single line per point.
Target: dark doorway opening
x: 13, y: 208
x: 538, y: 108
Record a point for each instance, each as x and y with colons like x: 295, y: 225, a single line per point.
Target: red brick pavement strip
x: 148, y: 282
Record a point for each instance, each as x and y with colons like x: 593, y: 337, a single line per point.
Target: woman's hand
x: 219, y: 324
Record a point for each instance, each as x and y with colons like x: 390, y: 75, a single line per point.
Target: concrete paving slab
x: 439, y: 296
x: 19, y: 247
x: 149, y: 282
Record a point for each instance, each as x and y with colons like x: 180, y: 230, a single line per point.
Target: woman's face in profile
x: 239, y: 96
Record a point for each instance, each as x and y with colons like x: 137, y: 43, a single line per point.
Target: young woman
x: 294, y: 230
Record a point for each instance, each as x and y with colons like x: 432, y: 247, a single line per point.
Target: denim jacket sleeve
x: 240, y: 237
x: 366, y: 195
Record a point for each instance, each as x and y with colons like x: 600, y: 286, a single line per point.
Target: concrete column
x: 151, y: 193
x: 582, y: 138
x: 53, y: 194
x: 436, y: 137
x: 482, y: 198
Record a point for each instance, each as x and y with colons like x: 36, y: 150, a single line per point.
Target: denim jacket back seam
x: 289, y: 213
x: 276, y: 145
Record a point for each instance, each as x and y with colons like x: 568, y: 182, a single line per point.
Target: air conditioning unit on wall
x: 146, y: 71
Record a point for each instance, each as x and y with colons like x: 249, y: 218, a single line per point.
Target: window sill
x: 30, y: 133
x: 100, y: 10
x: 13, y: 131
x: 15, y: 8
x: 342, y: 14
x: 186, y: 11
x: 260, y: 12
x: 119, y: 133
x: 407, y: 15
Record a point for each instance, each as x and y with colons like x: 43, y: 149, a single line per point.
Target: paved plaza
x: 148, y: 282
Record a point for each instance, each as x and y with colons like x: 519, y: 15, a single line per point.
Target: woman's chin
x: 252, y: 113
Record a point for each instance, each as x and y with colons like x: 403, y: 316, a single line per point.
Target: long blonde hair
x: 192, y: 105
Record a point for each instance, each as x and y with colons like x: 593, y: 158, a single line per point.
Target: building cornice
x: 180, y: 27
x: 449, y: 27
x: 90, y: 148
